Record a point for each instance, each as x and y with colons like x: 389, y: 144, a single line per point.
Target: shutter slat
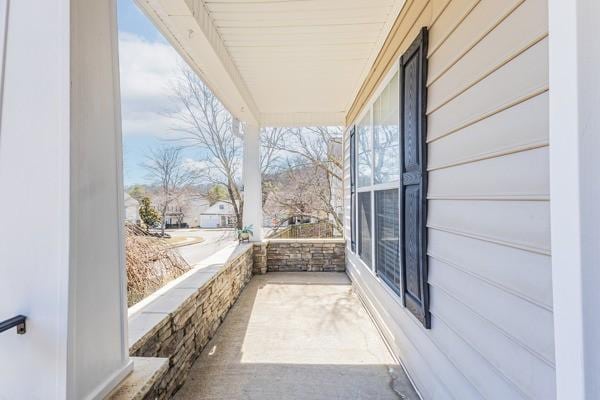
x: 413, y: 202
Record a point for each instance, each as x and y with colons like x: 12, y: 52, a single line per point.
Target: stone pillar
x: 253, y: 213
x: 574, y: 61
x: 61, y: 176
x: 260, y: 258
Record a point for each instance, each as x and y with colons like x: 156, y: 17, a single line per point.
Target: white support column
x: 253, y: 213
x: 61, y: 250
x: 575, y: 194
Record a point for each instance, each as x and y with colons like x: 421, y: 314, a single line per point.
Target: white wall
x: 132, y: 209
x: 575, y: 189
x: 34, y: 183
x: 132, y: 213
x: 489, y: 214
x: 60, y: 174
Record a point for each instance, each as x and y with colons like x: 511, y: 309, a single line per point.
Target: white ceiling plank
x: 340, y: 33
x: 303, y: 119
x: 303, y: 29
x: 297, y: 22
x: 310, y: 14
x: 294, y: 6
x: 297, y: 41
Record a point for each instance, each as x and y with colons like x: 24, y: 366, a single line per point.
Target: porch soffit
x: 279, y: 62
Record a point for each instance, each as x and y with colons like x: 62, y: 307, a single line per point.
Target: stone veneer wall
x: 316, y: 255
x: 260, y: 259
x: 185, y: 332
x: 316, y: 230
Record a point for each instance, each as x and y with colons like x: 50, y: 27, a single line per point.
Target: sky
x: 148, y: 64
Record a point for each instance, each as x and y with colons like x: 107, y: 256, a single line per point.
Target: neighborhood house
x: 219, y: 215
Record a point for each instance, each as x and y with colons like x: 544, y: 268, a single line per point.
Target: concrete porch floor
x: 297, y: 336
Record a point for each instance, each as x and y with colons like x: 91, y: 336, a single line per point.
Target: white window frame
x: 368, y: 109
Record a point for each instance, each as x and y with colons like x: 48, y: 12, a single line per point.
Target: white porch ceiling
x: 279, y: 62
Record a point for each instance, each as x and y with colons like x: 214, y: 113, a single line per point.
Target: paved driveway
x: 214, y: 240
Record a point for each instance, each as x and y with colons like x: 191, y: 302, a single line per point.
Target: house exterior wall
x: 132, y: 214
x: 192, y: 211
x: 132, y: 209
x: 214, y: 216
x: 210, y: 221
x: 489, y: 260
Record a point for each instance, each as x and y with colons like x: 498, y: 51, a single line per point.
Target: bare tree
x: 295, y: 192
x: 271, y: 162
x: 206, y: 125
x: 318, y: 149
x: 166, y: 168
x: 271, y: 140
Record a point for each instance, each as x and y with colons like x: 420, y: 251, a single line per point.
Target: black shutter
x: 413, y: 172
x: 353, y: 188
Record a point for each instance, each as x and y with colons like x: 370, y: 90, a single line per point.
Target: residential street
x: 214, y: 240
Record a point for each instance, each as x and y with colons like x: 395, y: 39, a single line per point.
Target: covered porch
x: 234, y: 327
x: 296, y: 335
x: 337, y: 323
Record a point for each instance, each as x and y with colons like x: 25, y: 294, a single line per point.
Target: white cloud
x: 147, y: 70
x: 197, y: 165
x: 204, y: 170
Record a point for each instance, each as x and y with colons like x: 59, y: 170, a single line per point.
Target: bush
x: 148, y: 214
x: 149, y: 262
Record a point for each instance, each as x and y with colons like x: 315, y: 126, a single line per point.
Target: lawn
x: 175, y: 241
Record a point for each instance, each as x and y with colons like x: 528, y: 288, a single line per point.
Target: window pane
x: 387, y: 244
x: 364, y: 227
x: 386, y: 127
x: 364, y: 152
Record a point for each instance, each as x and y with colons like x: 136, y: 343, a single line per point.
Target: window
x: 364, y: 227
x: 365, y: 142
x: 389, y: 191
x: 377, y: 137
x: 387, y: 245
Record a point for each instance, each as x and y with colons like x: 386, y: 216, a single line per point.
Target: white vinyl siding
x: 488, y: 201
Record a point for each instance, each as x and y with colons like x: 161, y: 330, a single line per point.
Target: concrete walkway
x: 297, y: 336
